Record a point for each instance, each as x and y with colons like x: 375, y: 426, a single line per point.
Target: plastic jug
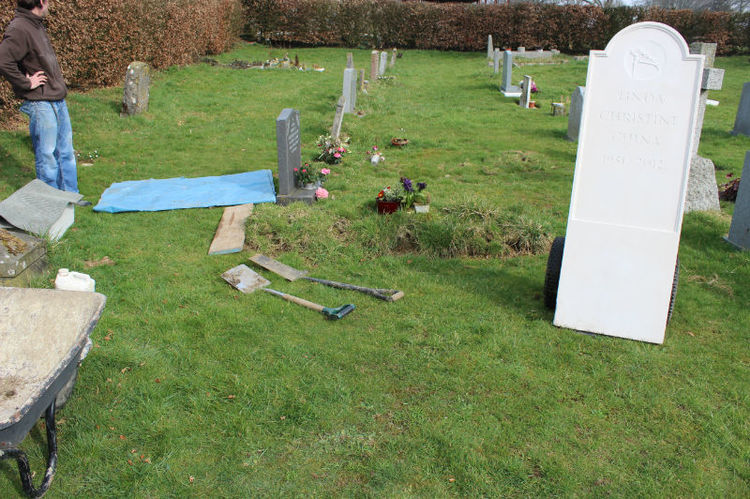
x: 74, y: 281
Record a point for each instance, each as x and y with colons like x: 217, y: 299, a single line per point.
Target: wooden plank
x: 285, y: 271
x: 230, y: 235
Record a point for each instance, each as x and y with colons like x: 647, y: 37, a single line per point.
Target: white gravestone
x: 525, y: 92
x: 739, y: 231
x: 506, y: 84
x: 496, y: 61
x: 490, y: 47
x: 574, y: 116
x: 383, y: 62
x: 629, y: 184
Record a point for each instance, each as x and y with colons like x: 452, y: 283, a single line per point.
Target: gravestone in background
x: 289, y: 153
x: 392, y: 63
x: 361, y: 80
x: 338, y: 118
x: 490, y: 47
x: 135, y: 92
x: 496, y: 61
x: 383, y: 62
x: 574, y: 115
x: 374, y: 66
x: 525, y: 92
x: 703, y: 192
x: 350, y: 89
x: 742, y: 120
x: 506, y: 84
x: 739, y: 231
x: 349, y: 60
x: 629, y: 185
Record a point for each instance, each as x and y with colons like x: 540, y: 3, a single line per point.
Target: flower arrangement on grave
x: 375, y: 156
x: 307, y: 175
x: 412, y: 196
x: 389, y: 199
x: 332, y: 150
x: 321, y: 193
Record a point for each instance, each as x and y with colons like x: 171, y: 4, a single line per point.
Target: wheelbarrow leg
x: 23, y: 462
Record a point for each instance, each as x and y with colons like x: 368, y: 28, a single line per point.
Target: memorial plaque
x: 629, y: 185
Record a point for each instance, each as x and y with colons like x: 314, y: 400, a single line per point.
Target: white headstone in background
x: 629, y: 184
x: 490, y: 47
x: 350, y: 89
x: 525, y: 92
x: 383, y: 62
x: 574, y: 115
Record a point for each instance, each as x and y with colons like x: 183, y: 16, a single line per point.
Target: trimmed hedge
x: 460, y: 26
x: 95, y: 40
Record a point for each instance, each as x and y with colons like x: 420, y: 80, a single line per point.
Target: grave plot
x: 617, y: 267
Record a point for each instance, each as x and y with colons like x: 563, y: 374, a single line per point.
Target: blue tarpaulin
x: 178, y: 193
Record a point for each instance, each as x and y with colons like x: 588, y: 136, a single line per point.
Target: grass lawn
x: 464, y: 387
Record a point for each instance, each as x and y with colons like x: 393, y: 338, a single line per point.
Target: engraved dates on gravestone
x: 135, y: 93
x: 288, y: 148
x: 629, y: 185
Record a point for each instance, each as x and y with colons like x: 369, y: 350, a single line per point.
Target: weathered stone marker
x: 22, y: 257
x: 392, y: 63
x: 574, y: 115
x: 338, y: 118
x: 490, y: 47
x: 703, y: 193
x: 289, y: 152
x: 496, y: 61
x: 739, y: 230
x: 349, y: 60
x: 350, y: 89
x: 135, y: 93
x: 373, y: 66
x: 383, y: 62
x: 629, y: 186
x: 506, y: 85
x: 361, y: 80
x: 742, y: 120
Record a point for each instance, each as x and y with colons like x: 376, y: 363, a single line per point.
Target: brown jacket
x: 26, y: 49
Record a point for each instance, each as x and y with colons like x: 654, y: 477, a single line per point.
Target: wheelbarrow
x: 44, y: 334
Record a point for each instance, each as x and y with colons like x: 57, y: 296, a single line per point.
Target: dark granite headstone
x: 289, y: 152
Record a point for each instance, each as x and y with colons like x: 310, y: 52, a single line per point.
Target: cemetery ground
x: 464, y: 386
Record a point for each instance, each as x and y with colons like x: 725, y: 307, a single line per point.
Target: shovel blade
x: 338, y: 312
x: 244, y: 279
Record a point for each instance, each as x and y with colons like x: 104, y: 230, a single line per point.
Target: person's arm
x: 13, y: 49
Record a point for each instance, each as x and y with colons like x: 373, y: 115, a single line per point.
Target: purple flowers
x: 421, y: 185
x: 407, y: 184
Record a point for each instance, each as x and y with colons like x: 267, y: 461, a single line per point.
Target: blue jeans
x: 52, y: 139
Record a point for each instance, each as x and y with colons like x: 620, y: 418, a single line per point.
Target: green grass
x: 464, y: 387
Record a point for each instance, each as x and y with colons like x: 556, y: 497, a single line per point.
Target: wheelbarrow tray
x: 42, y: 333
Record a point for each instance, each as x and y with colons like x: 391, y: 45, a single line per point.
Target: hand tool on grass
x: 292, y: 274
x: 246, y: 280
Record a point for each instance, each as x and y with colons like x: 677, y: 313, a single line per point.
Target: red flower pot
x: 387, y: 206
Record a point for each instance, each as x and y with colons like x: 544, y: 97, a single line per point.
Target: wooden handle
x: 304, y: 303
x: 396, y: 296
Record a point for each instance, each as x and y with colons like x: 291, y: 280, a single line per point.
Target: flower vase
x: 421, y: 208
x: 385, y: 207
x: 311, y: 186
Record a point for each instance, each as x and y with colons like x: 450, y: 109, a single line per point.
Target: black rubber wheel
x: 675, y: 280
x: 552, y: 277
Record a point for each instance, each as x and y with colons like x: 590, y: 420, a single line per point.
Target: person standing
x: 29, y: 63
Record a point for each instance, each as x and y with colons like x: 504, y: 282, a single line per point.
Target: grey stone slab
x: 136, y: 89
x: 338, y: 118
x: 288, y: 148
x: 712, y: 79
x: 739, y: 230
x: 349, y: 60
x: 506, y: 83
x: 297, y: 195
x: 374, y: 56
x: 383, y: 62
x: 394, y: 54
x: 40, y: 209
x: 490, y: 47
x: 496, y: 61
x: 708, y: 50
x: 574, y: 114
x: 742, y: 120
x: 361, y: 80
x: 350, y: 89
x: 703, y: 192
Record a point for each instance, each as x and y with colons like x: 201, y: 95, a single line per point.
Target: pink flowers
x: 325, y: 171
x: 337, y: 155
x: 321, y: 193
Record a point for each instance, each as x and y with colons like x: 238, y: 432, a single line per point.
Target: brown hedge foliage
x: 95, y: 40
x: 461, y: 26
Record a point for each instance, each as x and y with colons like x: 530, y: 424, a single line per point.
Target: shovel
x: 246, y: 280
x: 292, y: 274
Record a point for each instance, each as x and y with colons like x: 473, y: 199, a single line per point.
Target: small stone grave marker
x: 490, y: 47
x: 289, y: 152
x: 506, y: 85
x: 629, y: 185
x: 574, y: 115
x: 742, y: 120
x: 135, y: 92
x: 525, y: 92
x: 496, y: 61
x: 739, y: 230
x: 383, y: 62
x: 349, y: 60
x: 392, y: 63
x: 361, y: 80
